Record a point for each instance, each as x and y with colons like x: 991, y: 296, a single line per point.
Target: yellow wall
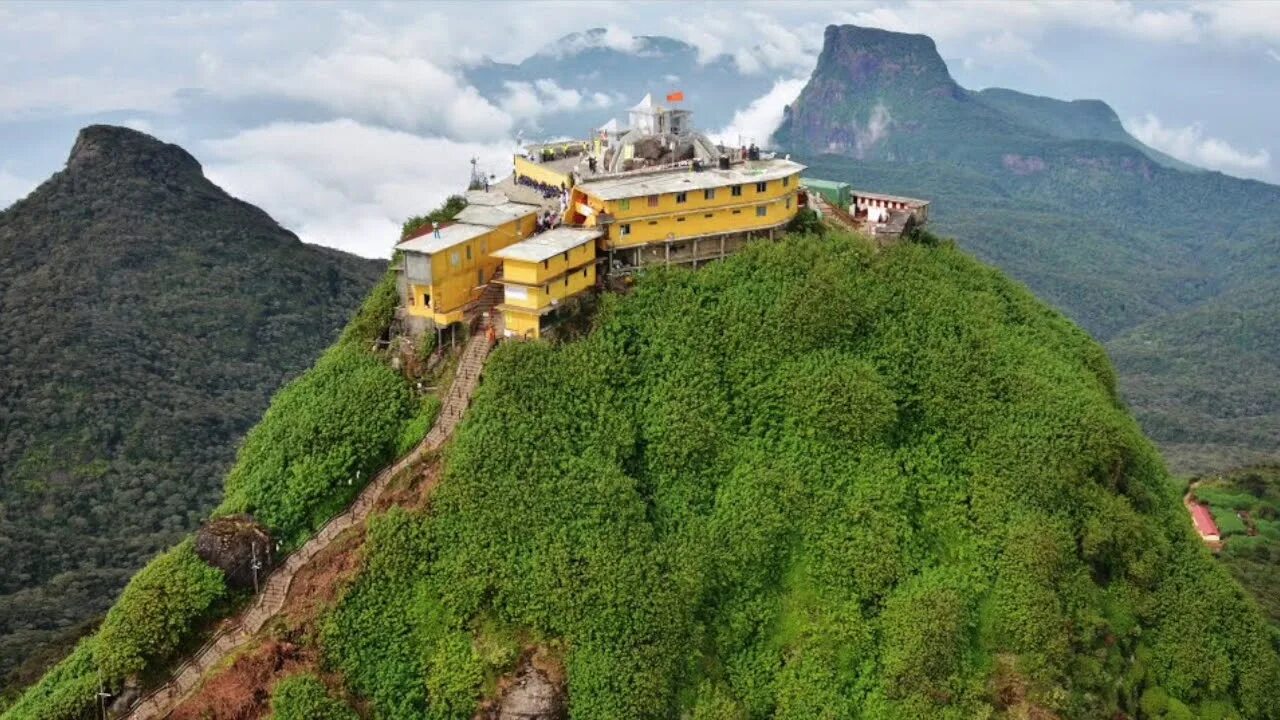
x: 456, y: 272
x: 522, y: 313
x: 541, y: 173
x: 531, y: 273
x: 728, y: 212
x: 521, y: 324
x: 536, y: 297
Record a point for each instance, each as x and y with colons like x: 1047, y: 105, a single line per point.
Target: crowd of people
x: 547, y: 190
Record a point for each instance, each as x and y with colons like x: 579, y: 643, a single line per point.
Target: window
x: 709, y: 194
x: 682, y: 197
x: 737, y: 212
x: 762, y: 186
x: 565, y: 255
x: 709, y: 215
x: 624, y: 204
x: 680, y: 219
x: 762, y: 210
x: 426, y: 300
x: 584, y: 272
x: 653, y: 222
x: 788, y: 203
x: 544, y: 264
x: 566, y: 281
x: 468, y: 251
x: 454, y: 259
x: 624, y: 229
x: 736, y: 191
x: 653, y: 201
x: 786, y: 181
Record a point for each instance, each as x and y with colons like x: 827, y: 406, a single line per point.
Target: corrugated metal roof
x: 828, y: 184
x: 544, y: 246
x: 639, y: 185
x: 894, y: 198
x: 494, y: 215
x: 450, y: 235
x: 1203, y: 520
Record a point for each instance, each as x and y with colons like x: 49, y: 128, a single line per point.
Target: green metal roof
x: 825, y: 184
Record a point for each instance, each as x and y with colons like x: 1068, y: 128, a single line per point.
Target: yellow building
x: 541, y: 273
x: 441, y: 276
x: 687, y: 215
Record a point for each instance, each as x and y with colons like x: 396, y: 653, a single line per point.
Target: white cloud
x: 1240, y: 20
x: 973, y: 18
x: 758, y: 121
x: 530, y: 101
x: 13, y: 188
x: 407, y: 93
x: 1190, y: 144
x: 75, y: 94
x: 756, y: 40
x: 345, y: 184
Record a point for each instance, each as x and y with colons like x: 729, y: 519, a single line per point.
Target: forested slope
x: 146, y: 317
x: 808, y: 481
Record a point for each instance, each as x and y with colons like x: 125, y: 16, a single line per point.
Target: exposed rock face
x: 233, y: 544
x: 123, y: 151
x: 536, y: 691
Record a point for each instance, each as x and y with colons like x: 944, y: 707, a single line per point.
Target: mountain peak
x: 872, y: 56
x: 121, y: 149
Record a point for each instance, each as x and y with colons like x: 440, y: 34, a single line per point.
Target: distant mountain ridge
x: 621, y: 72
x: 146, y: 316
x: 882, y: 95
x: 1143, y: 250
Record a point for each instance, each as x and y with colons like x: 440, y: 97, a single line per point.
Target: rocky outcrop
x: 535, y: 692
x: 235, y: 544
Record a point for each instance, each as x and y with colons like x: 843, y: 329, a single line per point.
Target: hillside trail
x: 239, y: 630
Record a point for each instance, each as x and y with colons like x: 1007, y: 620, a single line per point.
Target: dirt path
x: 238, y: 631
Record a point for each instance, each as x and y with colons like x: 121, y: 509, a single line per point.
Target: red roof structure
x: 1203, y: 520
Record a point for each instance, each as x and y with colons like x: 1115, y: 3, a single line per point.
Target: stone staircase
x: 834, y: 214
x: 239, y: 630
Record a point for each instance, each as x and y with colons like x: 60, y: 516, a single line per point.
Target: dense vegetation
x: 304, y: 697
x: 1173, y: 270
x: 146, y: 317
x: 1246, y: 506
x: 809, y: 481
x: 452, y: 206
x: 323, y: 437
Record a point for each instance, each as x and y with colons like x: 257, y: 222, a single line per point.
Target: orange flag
x: 677, y: 96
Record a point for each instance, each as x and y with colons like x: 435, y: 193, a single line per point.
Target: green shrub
x: 807, y: 222
x: 67, y: 692
x: 304, y: 697
x: 452, y: 206
x: 158, y: 608
x: 324, y: 436
x: 1229, y: 523
x: 416, y: 427
x: 1225, y: 498
x: 374, y: 315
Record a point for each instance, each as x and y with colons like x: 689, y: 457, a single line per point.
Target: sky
x: 342, y: 119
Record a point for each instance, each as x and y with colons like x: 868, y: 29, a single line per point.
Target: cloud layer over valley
x: 342, y: 120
